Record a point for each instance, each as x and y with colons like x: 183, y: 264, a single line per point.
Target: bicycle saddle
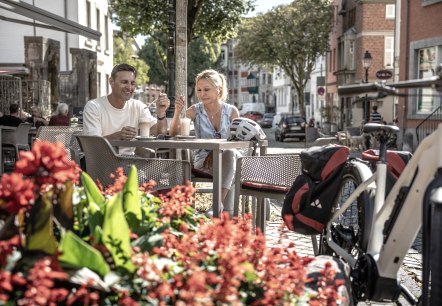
x: 377, y: 127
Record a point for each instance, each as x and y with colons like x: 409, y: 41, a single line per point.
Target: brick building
x: 360, y: 26
x: 419, y: 37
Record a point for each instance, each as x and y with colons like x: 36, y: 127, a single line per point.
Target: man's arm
x: 162, y: 104
x: 91, y: 120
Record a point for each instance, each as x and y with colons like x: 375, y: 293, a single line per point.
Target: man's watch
x: 161, y: 118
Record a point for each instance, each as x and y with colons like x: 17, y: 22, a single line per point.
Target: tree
x: 201, y: 55
x: 153, y: 53
x: 124, y: 53
x: 217, y: 20
x: 289, y: 36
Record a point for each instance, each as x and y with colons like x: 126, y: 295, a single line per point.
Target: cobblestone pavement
x: 411, y: 272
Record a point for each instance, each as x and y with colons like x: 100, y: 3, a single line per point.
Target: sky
x: 262, y: 6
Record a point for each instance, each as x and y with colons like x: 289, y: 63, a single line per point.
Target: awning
x: 60, y: 23
x: 13, y: 69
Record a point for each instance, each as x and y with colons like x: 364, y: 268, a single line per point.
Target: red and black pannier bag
x: 396, y: 162
x: 307, y: 206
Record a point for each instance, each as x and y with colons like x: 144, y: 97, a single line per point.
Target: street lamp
x: 366, y: 62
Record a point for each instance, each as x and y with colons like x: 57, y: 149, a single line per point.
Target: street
x: 288, y: 145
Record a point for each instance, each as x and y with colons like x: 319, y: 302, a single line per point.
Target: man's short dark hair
x: 375, y: 107
x: 13, y: 108
x: 123, y: 67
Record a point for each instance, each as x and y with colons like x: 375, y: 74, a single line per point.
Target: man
x: 375, y: 117
x: 116, y: 116
x: 13, y: 119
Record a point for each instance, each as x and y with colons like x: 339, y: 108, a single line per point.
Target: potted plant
x: 66, y: 241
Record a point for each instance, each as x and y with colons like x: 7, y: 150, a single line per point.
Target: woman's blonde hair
x: 218, y: 80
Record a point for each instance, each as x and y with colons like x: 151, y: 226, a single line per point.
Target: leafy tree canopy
x: 201, y: 55
x: 289, y: 36
x: 217, y: 20
x: 125, y: 53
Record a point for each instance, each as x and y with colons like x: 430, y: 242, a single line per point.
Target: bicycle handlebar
x: 391, y: 88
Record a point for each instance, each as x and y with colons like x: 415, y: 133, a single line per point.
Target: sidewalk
x: 410, y: 274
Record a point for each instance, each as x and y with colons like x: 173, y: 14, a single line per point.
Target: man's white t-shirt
x: 101, y: 118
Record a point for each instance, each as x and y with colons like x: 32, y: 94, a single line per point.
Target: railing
x: 429, y: 124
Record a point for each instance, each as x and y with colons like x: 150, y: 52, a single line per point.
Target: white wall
x: 12, y: 34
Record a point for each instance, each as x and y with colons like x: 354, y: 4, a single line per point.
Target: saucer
x: 184, y: 137
x: 145, y: 138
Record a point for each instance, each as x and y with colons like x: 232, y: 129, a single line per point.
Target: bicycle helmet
x: 245, y: 129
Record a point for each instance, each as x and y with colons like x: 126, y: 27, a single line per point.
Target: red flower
x: 16, y: 192
x: 48, y: 163
x: 6, y: 248
x: 175, y: 204
x: 119, y: 181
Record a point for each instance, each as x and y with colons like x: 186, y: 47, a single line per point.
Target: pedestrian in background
x: 13, y: 119
x: 60, y: 116
x: 375, y: 116
x: 36, y: 118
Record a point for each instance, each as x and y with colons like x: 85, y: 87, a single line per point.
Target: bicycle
x: 373, y: 232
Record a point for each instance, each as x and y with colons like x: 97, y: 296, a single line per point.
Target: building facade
x: 360, y: 26
x: 418, y: 55
x: 56, y: 47
x: 246, y: 84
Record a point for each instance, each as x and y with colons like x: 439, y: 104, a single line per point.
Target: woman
x: 211, y: 117
x: 60, y: 116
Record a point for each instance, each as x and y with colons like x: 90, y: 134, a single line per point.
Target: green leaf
x: 131, y: 200
x: 95, y: 221
x: 80, y: 254
x: 39, y: 228
x: 116, y: 233
x: 64, y: 211
x: 93, y: 193
x: 146, y: 243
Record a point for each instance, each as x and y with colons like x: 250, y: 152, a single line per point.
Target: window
x: 88, y: 14
x: 427, y: 63
x: 106, y: 32
x: 390, y: 11
x: 98, y: 25
x: 388, y: 52
x: 107, y: 81
x: 99, y: 84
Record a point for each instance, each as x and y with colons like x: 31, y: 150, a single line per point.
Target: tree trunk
x: 181, y: 49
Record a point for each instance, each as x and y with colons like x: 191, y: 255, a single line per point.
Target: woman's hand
x: 180, y: 104
x: 208, y: 162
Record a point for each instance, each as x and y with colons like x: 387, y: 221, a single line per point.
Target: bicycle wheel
x: 436, y: 255
x: 348, y: 231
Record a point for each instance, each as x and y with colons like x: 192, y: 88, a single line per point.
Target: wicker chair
x: 63, y: 134
x: 14, y: 140
x: 102, y: 161
x: 266, y: 177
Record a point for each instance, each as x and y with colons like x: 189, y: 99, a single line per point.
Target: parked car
x: 255, y: 116
x: 290, y: 126
x: 267, y: 120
